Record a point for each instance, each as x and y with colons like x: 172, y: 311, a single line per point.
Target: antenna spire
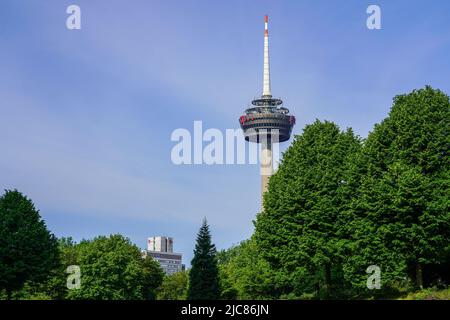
x: 266, y: 79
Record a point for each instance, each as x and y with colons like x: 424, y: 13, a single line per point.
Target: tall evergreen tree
x: 28, y: 251
x: 203, y: 276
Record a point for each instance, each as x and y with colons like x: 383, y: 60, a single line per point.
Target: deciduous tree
x: 300, y: 231
x: 28, y: 251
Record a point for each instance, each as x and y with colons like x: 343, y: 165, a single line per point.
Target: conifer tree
x: 203, y: 276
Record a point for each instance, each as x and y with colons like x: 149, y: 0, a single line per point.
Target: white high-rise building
x: 161, y: 249
x: 161, y: 244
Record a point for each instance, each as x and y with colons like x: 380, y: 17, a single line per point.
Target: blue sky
x: 86, y: 115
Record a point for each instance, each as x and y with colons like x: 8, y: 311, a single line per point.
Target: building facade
x: 161, y: 249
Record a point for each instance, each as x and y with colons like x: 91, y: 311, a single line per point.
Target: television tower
x: 266, y: 121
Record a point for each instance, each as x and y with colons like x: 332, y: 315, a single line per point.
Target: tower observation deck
x: 266, y: 121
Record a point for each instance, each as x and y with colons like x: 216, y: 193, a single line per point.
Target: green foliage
x: 174, y: 287
x: 416, y: 132
x: 401, y: 211
x: 153, y: 276
x: 334, y: 208
x: 244, y: 274
x: 32, y: 291
x: 112, y: 269
x: 55, y: 287
x: 300, y: 231
x: 121, y: 270
x: 28, y: 251
x: 203, y: 276
x: 429, y: 294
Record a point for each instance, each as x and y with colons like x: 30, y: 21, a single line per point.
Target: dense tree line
x: 36, y: 265
x: 33, y: 263
x: 339, y: 204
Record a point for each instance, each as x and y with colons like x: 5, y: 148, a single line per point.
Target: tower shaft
x: 266, y: 144
x: 266, y: 160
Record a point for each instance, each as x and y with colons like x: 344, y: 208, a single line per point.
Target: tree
x: 28, y: 251
x: 55, y: 287
x: 401, y: 215
x: 300, y: 232
x: 152, y: 278
x: 174, y: 286
x: 244, y: 274
x: 203, y: 276
x: 112, y: 269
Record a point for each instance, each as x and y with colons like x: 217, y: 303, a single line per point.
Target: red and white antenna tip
x: 266, y: 25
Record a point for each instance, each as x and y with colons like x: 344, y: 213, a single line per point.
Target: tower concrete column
x: 266, y: 160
